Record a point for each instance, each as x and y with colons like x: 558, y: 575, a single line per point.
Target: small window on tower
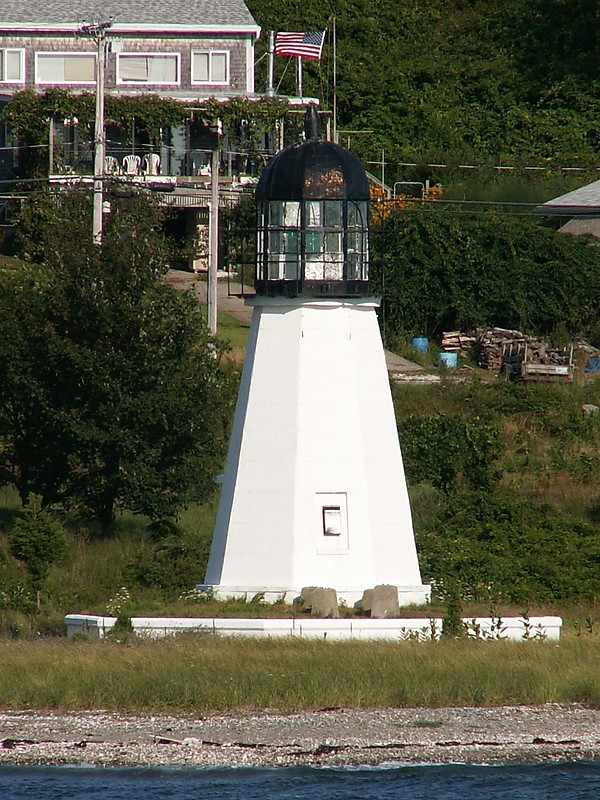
x: 332, y: 521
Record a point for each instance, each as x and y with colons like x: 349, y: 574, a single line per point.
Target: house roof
x: 170, y: 15
x: 580, y: 202
x: 581, y: 227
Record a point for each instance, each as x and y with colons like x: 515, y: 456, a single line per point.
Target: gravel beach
x: 329, y: 737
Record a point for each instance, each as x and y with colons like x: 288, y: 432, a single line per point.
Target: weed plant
x: 233, y: 336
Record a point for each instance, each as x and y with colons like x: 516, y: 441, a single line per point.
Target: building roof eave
x: 548, y: 210
x: 125, y: 29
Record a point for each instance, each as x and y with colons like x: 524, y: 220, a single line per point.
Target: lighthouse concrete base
x: 314, y: 492
x: 407, y: 595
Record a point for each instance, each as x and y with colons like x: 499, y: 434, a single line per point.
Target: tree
x: 455, y: 83
x: 38, y: 541
x: 111, y: 394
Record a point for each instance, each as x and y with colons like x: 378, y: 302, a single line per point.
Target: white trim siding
x: 249, y: 66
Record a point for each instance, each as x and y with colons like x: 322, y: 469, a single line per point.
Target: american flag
x: 302, y: 45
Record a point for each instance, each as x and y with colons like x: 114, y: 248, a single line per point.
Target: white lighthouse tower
x: 314, y: 492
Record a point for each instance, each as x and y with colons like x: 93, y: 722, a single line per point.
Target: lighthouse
x: 314, y: 491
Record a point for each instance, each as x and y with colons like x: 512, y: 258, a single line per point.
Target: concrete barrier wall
x: 485, y: 628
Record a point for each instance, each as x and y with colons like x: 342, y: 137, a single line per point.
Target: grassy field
x: 200, y: 674
x: 549, y: 448
x: 549, y: 455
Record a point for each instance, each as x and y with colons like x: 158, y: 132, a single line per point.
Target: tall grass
x: 550, y: 450
x: 207, y: 673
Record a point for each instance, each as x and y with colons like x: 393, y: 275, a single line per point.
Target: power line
x: 458, y: 202
x: 497, y: 167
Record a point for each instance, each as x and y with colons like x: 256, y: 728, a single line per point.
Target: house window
x: 156, y: 68
x: 210, y: 67
x: 65, y: 68
x: 12, y: 67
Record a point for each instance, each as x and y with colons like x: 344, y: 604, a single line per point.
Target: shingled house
x: 178, y: 48
x: 183, y: 50
x: 188, y: 50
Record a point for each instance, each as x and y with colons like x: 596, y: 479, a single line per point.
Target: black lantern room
x: 313, y: 211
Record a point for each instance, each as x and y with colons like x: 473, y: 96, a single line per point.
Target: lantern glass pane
x: 333, y: 214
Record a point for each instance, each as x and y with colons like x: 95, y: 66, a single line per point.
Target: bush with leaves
x: 442, y: 271
x: 175, y: 561
x: 495, y: 545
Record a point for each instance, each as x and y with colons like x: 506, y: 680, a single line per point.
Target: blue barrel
x: 420, y: 343
x: 448, y: 360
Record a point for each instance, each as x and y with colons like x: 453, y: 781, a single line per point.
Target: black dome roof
x: 313, y: 170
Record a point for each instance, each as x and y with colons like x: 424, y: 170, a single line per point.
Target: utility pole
x: 213, y: 236
x: 97, y: 31
x: 51, y: 146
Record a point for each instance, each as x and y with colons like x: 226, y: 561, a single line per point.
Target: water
x: 573, y: 781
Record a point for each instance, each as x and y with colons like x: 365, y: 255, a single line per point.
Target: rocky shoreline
x: 329, y: 737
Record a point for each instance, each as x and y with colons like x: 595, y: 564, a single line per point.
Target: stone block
x: 381, y: 602
x: 321, y: 602
x: 367, y: 600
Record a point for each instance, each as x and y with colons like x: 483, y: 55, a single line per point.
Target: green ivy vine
x: 244, y: 120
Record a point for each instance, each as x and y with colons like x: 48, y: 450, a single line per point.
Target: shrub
x: 499, y: 546
x: 444, y: 448
x: 38, y: 540
x: 175, y: 563
x: 443, y: 271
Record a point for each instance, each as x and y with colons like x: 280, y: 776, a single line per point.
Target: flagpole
x: 299, y: 76
x: 271, y: 65
x: 335, y: 134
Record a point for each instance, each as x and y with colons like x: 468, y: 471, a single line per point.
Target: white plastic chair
x: 151, y: 164
x: 131, y: 165
x: 111, y: 165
